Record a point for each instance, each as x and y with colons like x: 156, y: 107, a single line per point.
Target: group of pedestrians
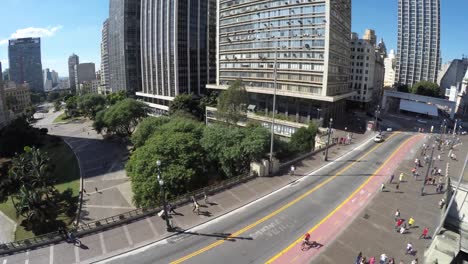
x: 196, y: 205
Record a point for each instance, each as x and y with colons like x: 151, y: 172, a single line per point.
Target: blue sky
x: 68, y: 26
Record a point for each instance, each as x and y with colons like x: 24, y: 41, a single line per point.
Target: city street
x: 257, y: 232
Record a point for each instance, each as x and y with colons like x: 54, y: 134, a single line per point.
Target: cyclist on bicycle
x: 306, y: 238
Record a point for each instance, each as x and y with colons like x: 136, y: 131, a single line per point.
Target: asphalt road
x: 262, y: 229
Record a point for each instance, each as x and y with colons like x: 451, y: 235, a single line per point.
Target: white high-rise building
x: 418, y: 41
x: 390, y: 63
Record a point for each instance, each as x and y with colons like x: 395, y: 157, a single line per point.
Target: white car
x: 378, y: 138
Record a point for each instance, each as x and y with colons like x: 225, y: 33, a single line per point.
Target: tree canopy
x: 16, y: 135
x: 426, y: 88
x: 146, y: 128
x: 90, y: 104
x: 232, y: 103
x: 303, y: 139
x: 122, y: 118
x: 113, y: 98
x: 185, y: 104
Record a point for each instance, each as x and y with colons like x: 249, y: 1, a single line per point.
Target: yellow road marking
x: 339, y: 206
x: 284, y: 207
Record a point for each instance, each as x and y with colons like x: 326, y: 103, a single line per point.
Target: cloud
x: 32, y: 32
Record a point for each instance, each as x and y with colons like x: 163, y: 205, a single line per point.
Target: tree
x: 11, y: 101
x: 303, y: 139
x: 185, y: 103
x: 89, y: 104
x: 232, y: 103
x: 233, y: 148
x: 146, y: 128
x: 113, y: 98
x: 37, y: 97
x: 29, y: 112
x: 53, y: 96
x: 57, y: 105
x: 122, y: 118
x: 182, y: 167
x: 71, y: 106
x: 402, y: 88
x: 426, y: 88
x: 16, y: 135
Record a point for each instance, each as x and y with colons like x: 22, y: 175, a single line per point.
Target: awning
x: 417, y: 107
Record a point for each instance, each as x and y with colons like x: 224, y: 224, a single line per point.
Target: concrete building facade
x: 418, y: 41
x: 452, y: 74
x: 24, y: 56
x: 105, y: 56
x: 307, y: 41
x: 73, y: 61
x: 124, y: 45
x: 17, y: 96
x: 85, y: 72
x: 89, y: 87
x: 47, y: 77
x: 178, y: 40
x: 389, y: 64
x: 367, y: 69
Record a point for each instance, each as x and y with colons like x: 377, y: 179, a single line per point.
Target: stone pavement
x: 372, y: 232
x: 150, y: 229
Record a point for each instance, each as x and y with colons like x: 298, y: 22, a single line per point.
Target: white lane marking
x: 127, y: 234
x: 51, y: 254
x: 103, y: 245
x: 77, y: 255
x: 236, y: 211
x: 148, y: 220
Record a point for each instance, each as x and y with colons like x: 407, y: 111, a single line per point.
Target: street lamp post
x: 318, y: 113
x: 427, y: 171
x: 328, y: 139
x: 272, y: 129
x: 377, y: 113
x: 161, y: 183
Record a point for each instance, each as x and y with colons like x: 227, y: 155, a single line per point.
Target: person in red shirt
x: 306, y: 242
x: 398, y: 224
x: 424, y: 233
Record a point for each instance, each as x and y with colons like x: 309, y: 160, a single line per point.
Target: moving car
x: 379, y: 138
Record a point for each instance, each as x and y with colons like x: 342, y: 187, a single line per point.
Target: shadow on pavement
x: 223, y: 236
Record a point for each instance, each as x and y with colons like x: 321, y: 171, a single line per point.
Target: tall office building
x: 85, y: 72
x: 47, y: 78
x: 178, y: 40
x: 311, y: 41
x: 124, y: 45
x: 73, y: 60
x: 418, y: 41
x: 390, y: 63
x: 105, y: 55
x: 24, y: 56
x: 55, y: 77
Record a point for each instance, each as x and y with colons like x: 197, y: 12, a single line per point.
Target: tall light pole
x: 328, y: 140
x: 272, y: 129
x: 377, y: 113
x: 161, y: 184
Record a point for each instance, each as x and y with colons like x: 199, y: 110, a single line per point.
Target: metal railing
x: 116, y: 220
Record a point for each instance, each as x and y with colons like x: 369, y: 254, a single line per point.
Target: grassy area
x: 68, y: 174
x: 64, y: 118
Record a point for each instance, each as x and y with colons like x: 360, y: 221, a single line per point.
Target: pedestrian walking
x: 397, y: 186
x: 171, y: 208
x: 399, y: 222
x: 415, y: 261
x: 193, y: 199
x: 438, y: 157
x: 372, y: 260
x: 424, y: 233
x: 292, y: 170
x: 402, y: 229
x: 401, y: 177
x: 411, y: 222
x: 397, y: 215
x: 205, y: 197
x: 382, y: 187
x: 363, y: 260
x: 383, y: 258
x: 196, y: 208
x: 358, y: 258
x: 84, y: 190
x: 441, y: 203
x: 409, y: 248
x: 95, y: 188
x: 391, y: 261
x: 439, y: 172
x: 391, y: 178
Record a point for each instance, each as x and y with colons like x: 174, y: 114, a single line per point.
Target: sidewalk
x: 373, y: 233
x: 147, y: 230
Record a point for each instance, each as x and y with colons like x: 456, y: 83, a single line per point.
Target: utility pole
x: 328, y: 140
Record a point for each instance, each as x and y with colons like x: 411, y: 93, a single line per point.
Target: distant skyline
x: 67, y: 27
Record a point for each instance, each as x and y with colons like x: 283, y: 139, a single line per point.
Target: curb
x: 116, y: 253
x: 77, y: 218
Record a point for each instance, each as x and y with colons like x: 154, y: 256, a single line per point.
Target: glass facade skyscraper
x: 124, y: 45
x: 178, y: 40
x: 73, y: 61
x: 24, y: 56
x: 105, y: 55
x: 310, y: 41
x: 418, y: 55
